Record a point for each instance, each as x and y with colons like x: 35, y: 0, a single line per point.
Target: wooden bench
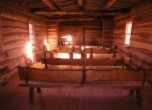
x: 117, y: 78
x: 81, y: 77
x: 79, y: 73
x: 78, y: 55
x: 57, y: 77
x: 85, y: 62
x: 70, y: 52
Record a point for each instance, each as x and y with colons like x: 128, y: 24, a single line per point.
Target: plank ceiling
x: 55, y: 9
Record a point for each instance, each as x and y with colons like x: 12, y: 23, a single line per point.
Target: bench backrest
x: 56, y: 75
x: 67, y: 50
x: 100, y: 51
x: 58, y: 61
x: 99, y: 56
x: 87, y: 62
x: 104, y: 62
x: 115, y: 75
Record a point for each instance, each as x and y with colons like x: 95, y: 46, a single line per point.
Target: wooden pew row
x: 96, y: 49
x: 84, y: 62
x: 77, y: 55
x: 40, y: 78
x: 90, y: 49
x: 58, y: 61
x: 85, y: 50
x: 80, y: 46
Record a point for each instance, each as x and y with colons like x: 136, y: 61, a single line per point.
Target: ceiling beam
x: 48, y: 13
x: 109, y: 4
x: 49, y: 4
x: 80, y: 3
x: 39, y: 9
x: 74, y: 19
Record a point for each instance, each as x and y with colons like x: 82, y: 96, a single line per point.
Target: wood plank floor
x: 13, y: 97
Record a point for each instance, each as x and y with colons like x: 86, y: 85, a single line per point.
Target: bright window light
x: 76, y: 56
x: 31, y: 33
x: 48, y: 48
x: 128, y: 33
x: 63, y: 55
x: 68, y: 38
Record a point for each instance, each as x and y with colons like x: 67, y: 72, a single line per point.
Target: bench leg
x: 138, y: 97
x: 38, y: 90
x: 84, y: 77
x: 31, y: 94
x: 131, y: 92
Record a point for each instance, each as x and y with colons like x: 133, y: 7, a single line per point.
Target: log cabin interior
x: 75, y: 54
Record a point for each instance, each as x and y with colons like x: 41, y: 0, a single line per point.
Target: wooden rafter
x: 76, y: 19
x: 80, y: 3
x: 80, y: 12
x: 49, y: 4
x: 109, y: 4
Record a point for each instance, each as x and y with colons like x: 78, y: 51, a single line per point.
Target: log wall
x: 53, y: 33
x: 40, y: 29
x: 83, y: 32
x: 107, y: 31
x: 140, y: 49
x: 93, y: 32
x: 14, y: 34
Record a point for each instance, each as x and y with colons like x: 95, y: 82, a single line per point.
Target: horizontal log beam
x: 73, y: 19
x: 109, y: 4
x: 50, y: 13
x: 49, y: 4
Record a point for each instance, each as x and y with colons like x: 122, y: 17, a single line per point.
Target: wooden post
x: 103, y: 32
x: 71, y: 55
x: 83, y: 35
x: 44, y: 50
x: 73, y: 48
x: 131, y: 92
x: 31, y: 95
x: 46, y: 67
x: 138, y: 97
x: 38, y: 90
x: 57, y: 33
x: 84, y: 76
x: 80, y: 48
x: 51, y: 54
x: 91, y: 54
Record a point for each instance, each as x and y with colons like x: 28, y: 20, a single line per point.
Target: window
x: 31, y: 33
x: 128, y: 33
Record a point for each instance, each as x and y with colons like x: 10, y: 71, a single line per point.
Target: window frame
x: 128, y: 33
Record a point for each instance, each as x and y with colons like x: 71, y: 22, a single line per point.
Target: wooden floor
x: 13, y: 97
